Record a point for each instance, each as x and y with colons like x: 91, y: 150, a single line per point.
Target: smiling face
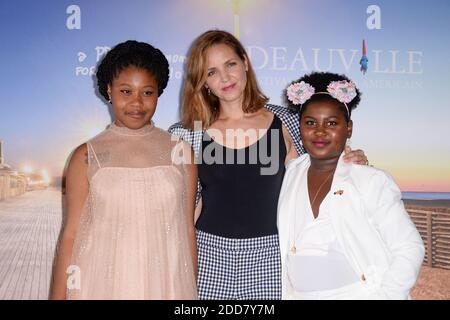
x: 324, y: 130
x: 134, y: 95
x: 226, y: 74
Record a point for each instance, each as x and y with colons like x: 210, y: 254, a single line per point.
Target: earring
x: 110, y: 102
x: 209, y: 91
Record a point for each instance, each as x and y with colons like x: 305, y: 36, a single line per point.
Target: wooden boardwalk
x: 29, y: 227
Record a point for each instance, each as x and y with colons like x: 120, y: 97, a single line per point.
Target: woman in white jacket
x: 344, y: 232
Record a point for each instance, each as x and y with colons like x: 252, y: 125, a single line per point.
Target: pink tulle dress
x: 132, y: 241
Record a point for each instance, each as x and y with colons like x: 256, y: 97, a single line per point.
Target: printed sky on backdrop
x: 50, y: 49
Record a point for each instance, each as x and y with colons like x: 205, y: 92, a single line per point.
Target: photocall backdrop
x: 50, y: 50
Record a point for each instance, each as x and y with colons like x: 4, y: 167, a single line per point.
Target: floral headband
x: 344, y: 91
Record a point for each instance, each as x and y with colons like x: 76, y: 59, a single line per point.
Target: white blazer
x: 372, y: 226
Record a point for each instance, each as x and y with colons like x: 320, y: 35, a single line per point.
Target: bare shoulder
x: 261, y: 118
x: 265, y: 114
x: 76, y: 173
x: 79, y: 157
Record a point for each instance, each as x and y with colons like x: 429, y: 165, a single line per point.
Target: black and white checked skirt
x: 238, y: 269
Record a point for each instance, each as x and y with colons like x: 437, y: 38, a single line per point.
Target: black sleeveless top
x: 240, y: 187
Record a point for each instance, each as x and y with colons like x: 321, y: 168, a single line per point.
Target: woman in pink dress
x: 130, y: 195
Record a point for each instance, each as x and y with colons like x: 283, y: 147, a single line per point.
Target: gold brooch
x: 339, y: 192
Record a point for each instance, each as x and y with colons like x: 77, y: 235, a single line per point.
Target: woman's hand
x: 355, y: 156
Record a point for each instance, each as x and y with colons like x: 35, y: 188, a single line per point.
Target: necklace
x: 294, y: 248
x: 320, y: 188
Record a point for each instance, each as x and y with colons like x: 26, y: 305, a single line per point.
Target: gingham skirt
x: 238, y: 269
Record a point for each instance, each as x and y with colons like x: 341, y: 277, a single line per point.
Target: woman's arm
x: 398, y: 232
x: 191, y: 193
x: 291, y: 153
x: 77, y: 188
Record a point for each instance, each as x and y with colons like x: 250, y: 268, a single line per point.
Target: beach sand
x: 433, y: 283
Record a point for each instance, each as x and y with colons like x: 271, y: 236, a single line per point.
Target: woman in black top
x: 242, y: 144
x: 246, y: 188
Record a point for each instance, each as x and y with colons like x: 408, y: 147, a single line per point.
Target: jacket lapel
x: 288, y: 205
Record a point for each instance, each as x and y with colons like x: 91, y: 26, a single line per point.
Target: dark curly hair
x: 132, y: 53
x: 320, y: 81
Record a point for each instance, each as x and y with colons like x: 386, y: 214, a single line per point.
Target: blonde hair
x: 197, y: 104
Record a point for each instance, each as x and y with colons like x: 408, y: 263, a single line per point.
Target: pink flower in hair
x: 344, y: 91
x: 299, y: 92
